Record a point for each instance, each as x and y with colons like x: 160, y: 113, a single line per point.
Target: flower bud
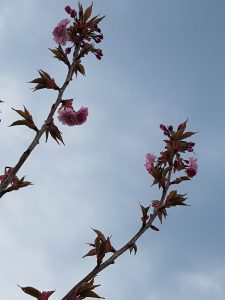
x: 73, y: 13
x: 68, y: 50
x: 68, y: 9
x: 163, y: 127
x: 98, y: 29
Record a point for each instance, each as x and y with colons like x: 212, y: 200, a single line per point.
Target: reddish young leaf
x: 88, y: 12
x: 30, y: 291
x: 28, y: 119
x: 90, y: 253
x: 186, y: 135
x: 154, y: 228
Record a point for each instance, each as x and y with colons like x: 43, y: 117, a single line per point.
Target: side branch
x: 111, y: 259
x: 40, y: 132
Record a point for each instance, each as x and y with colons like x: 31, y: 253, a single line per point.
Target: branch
x: 40, y: 132
x: 111, y: 260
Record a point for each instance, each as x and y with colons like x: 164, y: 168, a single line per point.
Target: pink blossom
x: 70, y: 117
x: 67, y: 116
x: 82, y: 115
x: 60, y: 34
x: 191, y: 171
x: 149, y: 164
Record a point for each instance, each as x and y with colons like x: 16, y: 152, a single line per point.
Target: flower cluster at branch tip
x: 176, y: 145
x: 68, y: 116
x: 81, y: 30
x: 163, y: 167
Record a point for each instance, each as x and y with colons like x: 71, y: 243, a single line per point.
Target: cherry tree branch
x: 111, y: 260
x: 35, y: 142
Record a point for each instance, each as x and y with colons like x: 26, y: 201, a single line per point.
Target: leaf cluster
x: 86, y: 290
x: 44, y: 81
x: 101, y: 246
x: 27, y: 119
x: 54, y: 132
x: 60, y: 54
x: 174, y: 199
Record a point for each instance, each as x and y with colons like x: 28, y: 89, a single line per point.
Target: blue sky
x: 163, y: 62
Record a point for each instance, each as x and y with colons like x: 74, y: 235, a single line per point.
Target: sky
x: 164, y: 62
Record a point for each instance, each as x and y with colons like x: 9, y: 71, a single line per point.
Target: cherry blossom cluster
x: 68, y: 116
x: 175, y: 147
x: 79, y: 28
x: 168, y: 163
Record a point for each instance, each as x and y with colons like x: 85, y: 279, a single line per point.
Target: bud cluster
x: 101, y: 246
